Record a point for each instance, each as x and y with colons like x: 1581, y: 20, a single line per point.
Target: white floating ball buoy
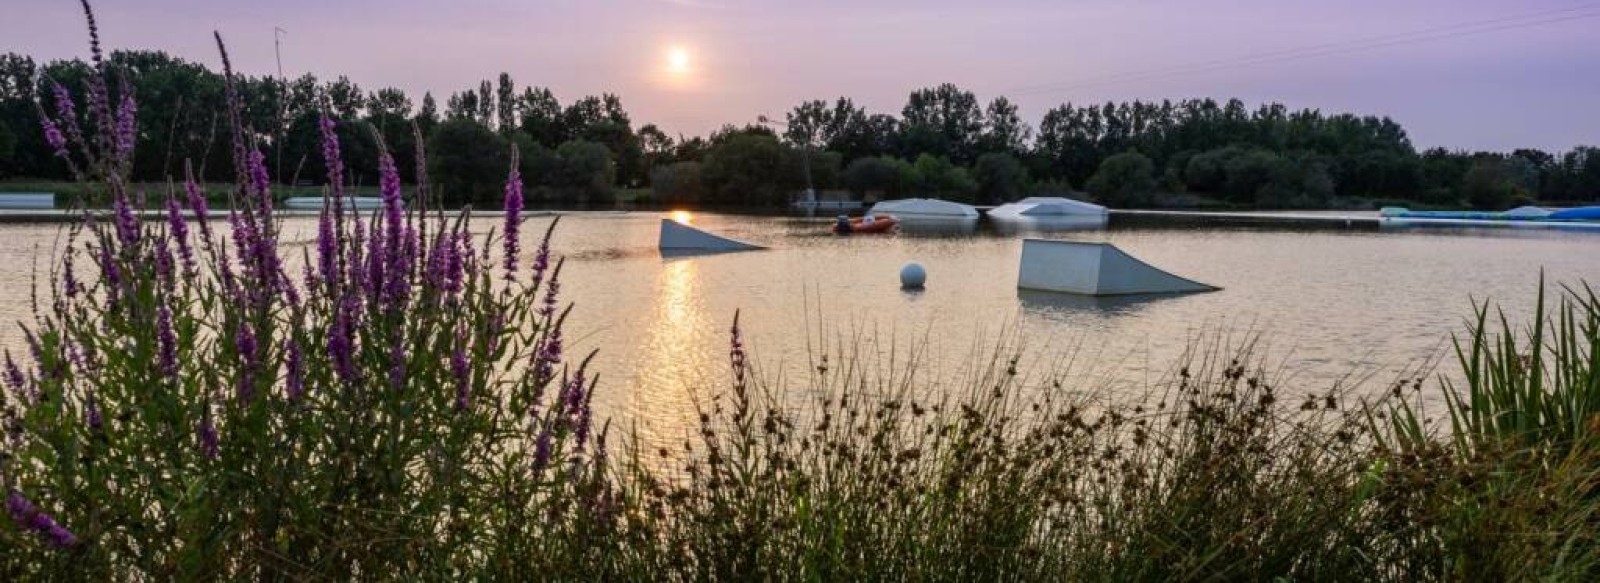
x: 912, y: 276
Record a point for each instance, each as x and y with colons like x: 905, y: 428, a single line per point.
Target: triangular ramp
x: 679, y: 238
x: 1095, y: 269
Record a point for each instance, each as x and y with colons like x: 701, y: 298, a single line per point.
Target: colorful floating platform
x: 1527, y: 217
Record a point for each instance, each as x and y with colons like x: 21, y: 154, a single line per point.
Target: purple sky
x: 1516, y: 86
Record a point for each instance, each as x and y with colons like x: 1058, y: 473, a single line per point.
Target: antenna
x: 283, y: 98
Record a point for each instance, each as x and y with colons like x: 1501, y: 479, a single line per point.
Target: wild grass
x: 403, y: 410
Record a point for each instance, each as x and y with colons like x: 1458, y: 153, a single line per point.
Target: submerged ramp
x: 679, y: 238
x: 1095, y: 269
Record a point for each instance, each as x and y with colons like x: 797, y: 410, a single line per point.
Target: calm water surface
x: 1329, y: 304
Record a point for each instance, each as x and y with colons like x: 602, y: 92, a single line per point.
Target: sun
x: 678, y: 60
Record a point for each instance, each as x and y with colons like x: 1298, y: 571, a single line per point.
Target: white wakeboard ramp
x: 678, y: 237
x: 1095, y: 269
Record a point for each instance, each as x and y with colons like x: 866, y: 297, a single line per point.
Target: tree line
x: 945, y: 142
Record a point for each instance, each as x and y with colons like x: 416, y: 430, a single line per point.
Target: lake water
x: 1331, y: 305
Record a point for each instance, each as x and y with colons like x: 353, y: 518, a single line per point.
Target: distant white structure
x: 1049, y: 206
x: 314, y: 203
x: 678, y: 237
x: 1048, y: 213
x: 28, y: 200
x: 933, y: 208
x: 1095, y: 269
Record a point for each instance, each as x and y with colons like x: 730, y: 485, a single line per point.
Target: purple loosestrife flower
x: 551, y: 293
x: 545, y: 361
x: 541, y: 450
x: 245, y: 342
x: 395, y: 260
x: 127, y: 123
x: 69, y: 276
x: 513, y: 209
x: 341, y: 340
x: 14, y: 378
x: 210, y: 441
x: 178, y: 228
x: 332, y: 159
x: 296, y: 373
x: 29, y: 517
x: 110, y: 272
x: 454, y: 267
x: 91, y: 413
x: 127, y: 224
x: 327, y: 248
x: 460, y: 369
x: 167, y: 343
x: 541, y: 260
x: 583, y: 412
x: 164, y: 265
x: 53, y: 136
x: 375, y: 262
x: 397, y: 362
x: 260, y: 182
x: 66, y: 113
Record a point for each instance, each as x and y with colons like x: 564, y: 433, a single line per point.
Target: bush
x: 1124, y: 180
x: 467, y: 162
x: 875, y: 174
x: 1000, y: 178
x: 937, y: 177
x: 587, y: 171
x: 677, y: 183
x: 1487, y: 186
x: 747, y: 168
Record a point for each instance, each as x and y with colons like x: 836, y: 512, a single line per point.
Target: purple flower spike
x: 341, y: 340
x: 210, y: 442
x: 14, y: 378
x: 167, y: 360
x: 513, y: 226
x: 541, y: 450
x: 178, y: 228
x: 245, y: 342
x: 127, y: 123
x: 545, y: 361
x: 330, y: 156
x: 53, y: 136
x: 127, y: 224
x: 91, y: 413
x: 395, y: 257
x: 66, y: 113
x: 29, y: 517
x: 327, y: 248
x: 260, y: 182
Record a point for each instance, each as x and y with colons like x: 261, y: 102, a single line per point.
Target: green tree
x: 541, y: 116
x: 747, y: 168
x: 1488, y: 185
x: 587, y: 171
x: 937, y: 176
x: 1124, y: 180
x: 943, y: 121
x: 677, y: 183
x: 1000, y: 178
x: 468, y: 163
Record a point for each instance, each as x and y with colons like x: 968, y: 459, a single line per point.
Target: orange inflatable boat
x: 879, y: 224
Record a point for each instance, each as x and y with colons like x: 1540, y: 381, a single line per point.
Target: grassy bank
x: 998, y: 474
